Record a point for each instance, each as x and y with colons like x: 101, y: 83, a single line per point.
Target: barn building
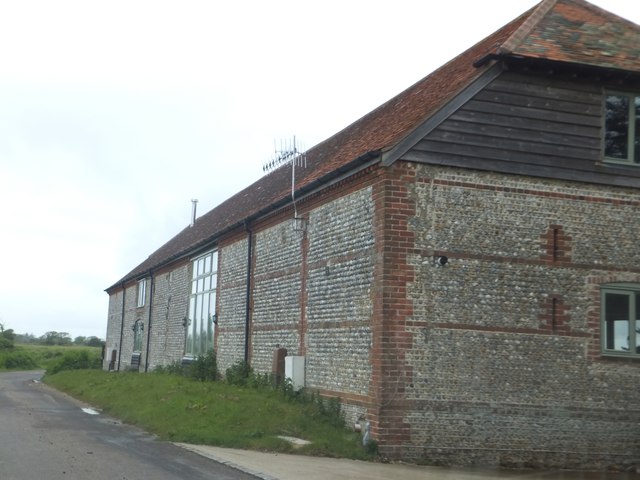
x: 461, y: 266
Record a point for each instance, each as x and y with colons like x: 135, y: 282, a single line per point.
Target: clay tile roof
x: 563, y: 30
x: 576, y: 31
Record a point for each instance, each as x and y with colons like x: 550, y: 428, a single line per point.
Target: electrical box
x: 294, y: 371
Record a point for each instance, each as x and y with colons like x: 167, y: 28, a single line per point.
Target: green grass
x: 26, y: 357
x: 211, y: 413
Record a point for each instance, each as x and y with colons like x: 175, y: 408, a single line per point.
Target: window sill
x: 619, y: 357
x: 619, y: 163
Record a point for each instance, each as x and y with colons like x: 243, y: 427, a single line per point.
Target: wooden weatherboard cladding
x: 531, y: 125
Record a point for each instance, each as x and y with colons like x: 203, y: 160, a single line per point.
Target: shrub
x: 19, y: 361
x: 7, y: 339
x: 175, y: 368
x: 203, y: 368
x: 238, y: 374
x: 5, y: 343
x: 75, y: 360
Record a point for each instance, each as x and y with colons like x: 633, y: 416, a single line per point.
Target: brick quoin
x: 395, y: 241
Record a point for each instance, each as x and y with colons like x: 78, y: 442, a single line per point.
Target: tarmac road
x: 46, y: 435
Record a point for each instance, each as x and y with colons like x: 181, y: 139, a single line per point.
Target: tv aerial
x: 289, y: 153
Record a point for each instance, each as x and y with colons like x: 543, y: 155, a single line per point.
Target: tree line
x: 8, y: 338
x: 58, y: 338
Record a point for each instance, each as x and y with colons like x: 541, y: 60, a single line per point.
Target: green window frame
x: 622, y: 128
x: 620, y: 310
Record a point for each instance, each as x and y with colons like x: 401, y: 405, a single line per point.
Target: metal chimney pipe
x: 194, y: 205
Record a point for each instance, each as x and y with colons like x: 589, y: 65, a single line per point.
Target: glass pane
x: 194, y: 286
x: 636, y: 140
x: 198, y: 314
x: 207, y: 264
x: 214, y: 262
x: 214, y: 281
x: 200, y: 286
x: 616, y: 136
x: 212, y: 303
x: 190, y: 323
x: 210, y: 327
x: 141, y: 292
x: 637, y: 330
x: 196, y: 339
x: 205, y: 335
x: 205, y: 306
x: 207, y: 283
x: 616, y: 334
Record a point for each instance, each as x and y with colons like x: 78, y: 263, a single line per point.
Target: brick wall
x: 119, y: 329
x: 232, y: 294
x: 114, y: 322
x: 311, y: 294
x: 502, y: 365
x: 277, y: 293
x: 339, y: 294
x: 169, y: 309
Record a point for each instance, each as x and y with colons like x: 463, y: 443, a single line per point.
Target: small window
x: 621, y: 320
x: 142, y: 292
x: 622, y: 128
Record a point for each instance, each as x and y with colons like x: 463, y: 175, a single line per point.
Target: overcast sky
x: 115, y: 114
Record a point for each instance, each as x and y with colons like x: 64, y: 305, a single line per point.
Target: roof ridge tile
x: 527, y: 27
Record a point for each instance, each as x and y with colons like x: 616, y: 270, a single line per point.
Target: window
x: 202, y: 305
x: 622, y: 128
x: 621, y: 320
x: 138, y: 328
x: 142, y: 292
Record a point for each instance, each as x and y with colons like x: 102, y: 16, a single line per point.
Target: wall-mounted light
x: 440, y: 260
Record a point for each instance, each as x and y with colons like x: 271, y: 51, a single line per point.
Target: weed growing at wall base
x: 203, y: 368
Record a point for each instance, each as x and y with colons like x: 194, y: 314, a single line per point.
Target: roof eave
x: 513, y: 60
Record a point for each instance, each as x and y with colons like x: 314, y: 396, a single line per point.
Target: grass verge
x: 211, y: 413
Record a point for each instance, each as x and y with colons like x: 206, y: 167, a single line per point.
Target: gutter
x: 486, y: 59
